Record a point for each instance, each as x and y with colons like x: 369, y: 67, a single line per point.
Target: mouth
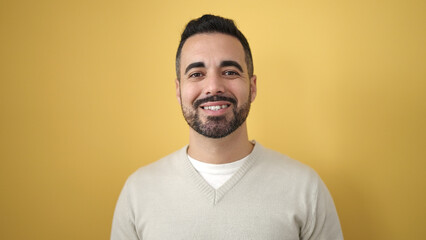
x: 216, y: 108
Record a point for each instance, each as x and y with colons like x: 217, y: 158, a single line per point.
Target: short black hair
x: 214, y: 24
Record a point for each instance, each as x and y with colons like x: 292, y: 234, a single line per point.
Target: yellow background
x: 87, y: 96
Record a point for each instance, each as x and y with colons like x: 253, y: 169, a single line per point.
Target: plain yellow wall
x: 87, y: 96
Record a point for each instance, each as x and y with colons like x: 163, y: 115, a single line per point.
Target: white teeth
x: 215, y: 108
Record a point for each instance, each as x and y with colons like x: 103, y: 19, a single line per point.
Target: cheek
x: 241, y: 93
x: 188, y: 95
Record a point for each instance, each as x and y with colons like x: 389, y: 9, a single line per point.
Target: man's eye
x: 195, y: 75
x: 230, y: 73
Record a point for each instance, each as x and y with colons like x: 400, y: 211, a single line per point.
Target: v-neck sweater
x: 216, y: 174
x: 270, y: 197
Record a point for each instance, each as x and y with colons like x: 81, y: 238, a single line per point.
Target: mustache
x: 215, y: 98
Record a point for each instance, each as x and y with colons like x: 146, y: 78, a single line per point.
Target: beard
x: 216, y: 126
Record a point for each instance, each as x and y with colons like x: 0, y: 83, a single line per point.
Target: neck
x: 222, y: 150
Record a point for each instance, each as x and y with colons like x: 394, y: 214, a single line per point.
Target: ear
x: 178, y: 90
x: 253, y: 87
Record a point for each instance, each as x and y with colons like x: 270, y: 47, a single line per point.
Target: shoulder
x: 277, y: 163
x: 161, y: 169
x: 288, y: 177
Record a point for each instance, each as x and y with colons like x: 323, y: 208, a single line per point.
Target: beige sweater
x: 270, y: 197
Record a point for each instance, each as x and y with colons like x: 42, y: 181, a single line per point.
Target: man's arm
x: 123, y: 224
x: 324, y: 222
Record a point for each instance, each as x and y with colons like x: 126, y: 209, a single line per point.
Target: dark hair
x: 211, y: 24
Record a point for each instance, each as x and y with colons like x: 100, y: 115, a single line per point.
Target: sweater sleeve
x: 123, y: 224
x: 324, y: 224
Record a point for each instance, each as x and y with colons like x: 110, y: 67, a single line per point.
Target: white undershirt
x: 216, y: 174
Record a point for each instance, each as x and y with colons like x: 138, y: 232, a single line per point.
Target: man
x: 222, y: 186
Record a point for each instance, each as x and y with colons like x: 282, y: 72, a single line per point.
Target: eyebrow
x: 194, y: 65
x: 231, y: 63
x: 227, y: 63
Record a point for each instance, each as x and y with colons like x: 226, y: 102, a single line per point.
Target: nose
x: 215, y: 85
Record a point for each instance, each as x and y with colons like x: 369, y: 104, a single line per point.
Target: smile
x: 216, y: 107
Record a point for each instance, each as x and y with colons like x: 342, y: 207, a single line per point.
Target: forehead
x: 212, y: 48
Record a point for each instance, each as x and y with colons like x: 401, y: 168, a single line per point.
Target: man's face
x: 215, y: 91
